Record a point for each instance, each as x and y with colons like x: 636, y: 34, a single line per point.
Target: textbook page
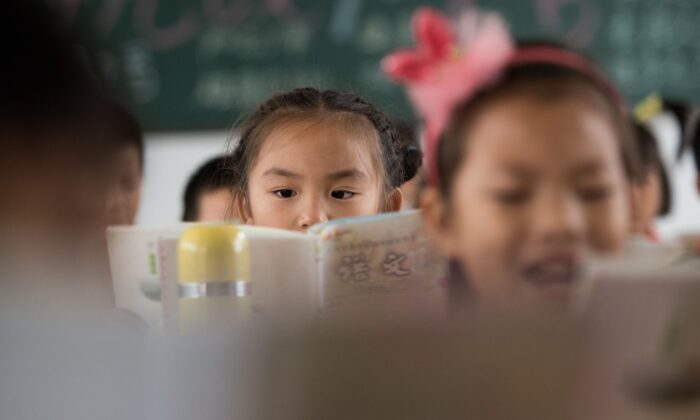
x: 135, y: 265
x: 283, y: 272
x: 381, y: 264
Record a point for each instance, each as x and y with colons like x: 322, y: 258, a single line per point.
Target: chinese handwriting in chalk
x: 354, y: 268
x: 392, y: 265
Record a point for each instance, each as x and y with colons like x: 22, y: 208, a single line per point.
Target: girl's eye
x: 593, y: 194
x: 342, y: 195
x: 513, y: 197
x: 285, y: 193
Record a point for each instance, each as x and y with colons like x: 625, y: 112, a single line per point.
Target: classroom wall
x: 172, y: 157
x: 169, y: 161
x: 685, y: 215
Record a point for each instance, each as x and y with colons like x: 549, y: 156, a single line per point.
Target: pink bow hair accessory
x: 446, y: 68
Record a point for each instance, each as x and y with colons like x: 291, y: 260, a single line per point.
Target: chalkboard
x: 645, y: 45
x: 200, y: 64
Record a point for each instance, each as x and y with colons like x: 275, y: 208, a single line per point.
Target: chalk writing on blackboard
x: 244, y: 88
x: 204, y: 63
x: 142, y: 73
x: 582, y: 31
x: 251, y: 41
x: 653, y: 45
x: 160, y: 36
x: 227, y: 12
x: 376, y: 34
x: 344, y: 19
x: 186, y: 26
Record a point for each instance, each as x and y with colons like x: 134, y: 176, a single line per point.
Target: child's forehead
x: 536, y: 94
x: 533, y: 110
x: 321, y: 128
x: 561, y: 131
x: 321, y: 121
x: 314, y: 134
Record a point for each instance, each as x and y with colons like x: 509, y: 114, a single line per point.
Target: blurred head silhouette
x: 52, y: 153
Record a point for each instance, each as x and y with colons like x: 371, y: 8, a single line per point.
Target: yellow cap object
x: 648, y: 108
x: 213, y: 275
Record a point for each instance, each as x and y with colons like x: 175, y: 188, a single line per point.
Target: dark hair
x: 213, y: 174
x: 43, y: 72
x: 542, y: 79
x: 399, y: 163
x: 122, y: 127
x: 650, y: 160
x: 408, y: 139
x: 49, y: 93
x: 695, y: 144
x: 49, y: 110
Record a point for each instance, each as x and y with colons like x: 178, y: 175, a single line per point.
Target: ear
x: 240, y: 203
x: 436, y: 221
x: 394, y: 201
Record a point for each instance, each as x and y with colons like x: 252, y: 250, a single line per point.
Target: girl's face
x: 215, y: 206
x: 540, y: 186
x: 312, y: 172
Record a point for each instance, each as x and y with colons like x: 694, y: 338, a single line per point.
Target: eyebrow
x: 346, y: 173
x: 518, y: 171
x: 334, y: 176
x: 589, y: 168
x: 281, y: 172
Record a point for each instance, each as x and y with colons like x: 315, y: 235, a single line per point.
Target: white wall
x: 169, y: 161
x: 172, y: 157
x: 685, y: 215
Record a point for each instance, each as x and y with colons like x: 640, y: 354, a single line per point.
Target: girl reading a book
x: 309, y: 156
x: 529, y: 156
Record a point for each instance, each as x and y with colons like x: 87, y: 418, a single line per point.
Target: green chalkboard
x: 644, y: 45
x: 194, y: 64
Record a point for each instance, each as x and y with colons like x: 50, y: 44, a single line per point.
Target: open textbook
x: 379, y: 265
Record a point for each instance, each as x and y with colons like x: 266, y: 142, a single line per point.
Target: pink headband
x: 445, y: 70
x: 573, y: 61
